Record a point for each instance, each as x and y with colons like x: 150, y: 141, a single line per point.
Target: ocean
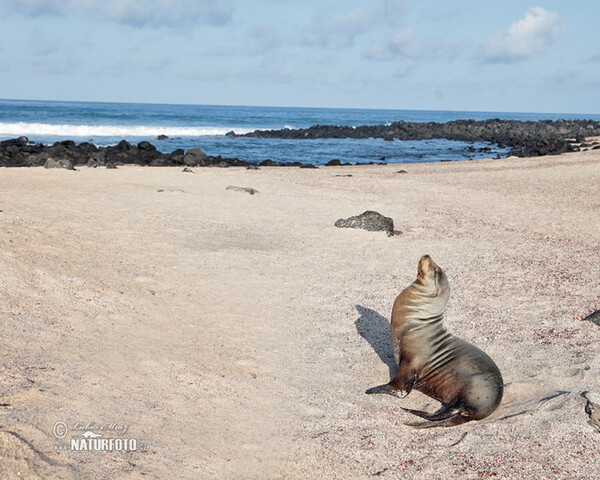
x: 205, y: 126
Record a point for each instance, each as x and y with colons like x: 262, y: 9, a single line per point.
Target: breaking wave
x: 47, y: 129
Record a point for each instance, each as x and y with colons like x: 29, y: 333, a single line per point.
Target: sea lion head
x: 433, y: 279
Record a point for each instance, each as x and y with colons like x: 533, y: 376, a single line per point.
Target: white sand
x: 223, y: 328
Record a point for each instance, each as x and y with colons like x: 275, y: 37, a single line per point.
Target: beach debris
x: 369, y: 220
x: 592, y: 408
x: 170, y: 189
x: 60, y: 163
x: 249, y: 190
x: 187, y: 170
x: 594, y: 317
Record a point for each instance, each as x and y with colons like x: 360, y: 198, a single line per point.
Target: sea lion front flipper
x: 389, y: 389
x: 398, y: 387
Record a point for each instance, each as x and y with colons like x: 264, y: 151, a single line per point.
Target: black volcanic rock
x: 369, y: 220
x: 15, y: 142
x: 545, y: 137
x: 268, y: 163
x: 195, y: 158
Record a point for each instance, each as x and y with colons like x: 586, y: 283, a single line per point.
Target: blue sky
x: 461, y: 55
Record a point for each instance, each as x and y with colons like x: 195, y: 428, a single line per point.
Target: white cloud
x: 535, y: 32
x: 172, y: 13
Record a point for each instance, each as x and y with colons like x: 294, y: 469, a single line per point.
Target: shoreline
x: 524, y: 139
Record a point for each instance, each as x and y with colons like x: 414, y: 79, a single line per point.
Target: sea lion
x: 433, y: 361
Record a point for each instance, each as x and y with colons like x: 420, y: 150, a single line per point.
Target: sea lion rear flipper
x: 443, y: 413
x: 456, y: 419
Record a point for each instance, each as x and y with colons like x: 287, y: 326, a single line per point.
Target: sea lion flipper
x: 443, y: 413
x: 387, y: 388
x: 395, y: 388
x: 456, y: 419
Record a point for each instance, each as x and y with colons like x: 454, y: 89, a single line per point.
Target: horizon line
x: 292, y: 107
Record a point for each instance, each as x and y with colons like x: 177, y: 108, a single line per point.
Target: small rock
x: 110, y: 165
x: 249, y: 190
x: 53, y: 163
x: 307, y: 165
x: 369, y: 220
x: 401, y: 171
x: 268, y: 163
x: 187, y: 170
x: 147, y: 146
x: 162, y: 137
x: 252, y: 167
x: 346, y: 175
x: 333, y: 163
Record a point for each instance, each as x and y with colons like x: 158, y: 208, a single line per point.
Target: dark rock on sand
x: 249, y: 190
x: 369, y: 220
x: 58, y: 163
x: 187, y: 170
x: 307, y: 165
x: 252, y: 167
x: 401, y: 171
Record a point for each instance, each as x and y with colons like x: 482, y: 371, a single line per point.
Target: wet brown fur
x: 431, y: 360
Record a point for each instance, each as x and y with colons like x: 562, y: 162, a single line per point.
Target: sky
x: 513, y: 56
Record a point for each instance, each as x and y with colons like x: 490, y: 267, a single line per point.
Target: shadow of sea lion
x: 375, y: 329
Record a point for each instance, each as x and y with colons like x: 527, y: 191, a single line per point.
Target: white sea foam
x: 47, y: 129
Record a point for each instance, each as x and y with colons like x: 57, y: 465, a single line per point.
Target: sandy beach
x: 234, y: 335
